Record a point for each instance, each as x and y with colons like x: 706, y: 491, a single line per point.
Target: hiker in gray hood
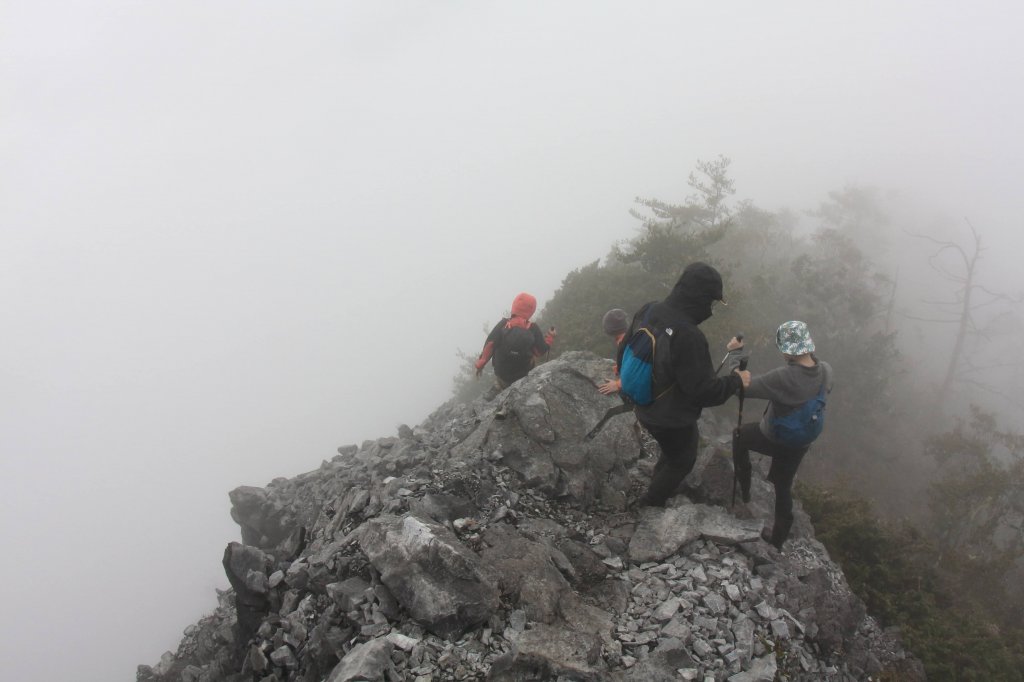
x: 688, y: 384
x: 788, y: 389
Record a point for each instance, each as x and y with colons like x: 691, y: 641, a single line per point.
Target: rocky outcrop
x: 430, y: 572
x: 496, y: 541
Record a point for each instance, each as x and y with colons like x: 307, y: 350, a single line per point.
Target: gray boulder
x: 443, y: 508
x: 526, y: 572
x: 546, y: 652
x: 539, y: 431
x: 367, y: 662
x: 264, y: 521
x: 662, y: 532
x: 246, y: 569
x: 435, y: 577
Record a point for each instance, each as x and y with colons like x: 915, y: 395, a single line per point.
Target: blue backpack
x: 636, y: 369
x: 803, y: 425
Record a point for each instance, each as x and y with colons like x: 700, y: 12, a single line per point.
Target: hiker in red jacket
x: 514, y: 344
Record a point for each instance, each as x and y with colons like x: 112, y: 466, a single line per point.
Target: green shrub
x: 943, y: 605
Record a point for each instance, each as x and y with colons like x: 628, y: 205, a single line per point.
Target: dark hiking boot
x: 645, y: 501
x: 766, y: 535
x: 780, y: 531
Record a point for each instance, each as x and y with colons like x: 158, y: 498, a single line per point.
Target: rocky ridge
x: 496, y: 541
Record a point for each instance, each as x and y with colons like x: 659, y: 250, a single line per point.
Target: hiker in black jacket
x: 672, y: 418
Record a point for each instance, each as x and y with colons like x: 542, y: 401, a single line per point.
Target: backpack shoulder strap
x: 665, y: 331
x: 826, y: 376
x: 639, y: 320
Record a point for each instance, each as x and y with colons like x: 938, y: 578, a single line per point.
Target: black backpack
x: 513, y: 353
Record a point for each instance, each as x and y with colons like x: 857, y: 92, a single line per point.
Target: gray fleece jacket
x: 787, y: 388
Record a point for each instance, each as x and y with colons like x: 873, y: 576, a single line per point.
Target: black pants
x: 678, y: 455
x: 785, y: 462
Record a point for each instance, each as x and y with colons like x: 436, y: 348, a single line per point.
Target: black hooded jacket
x: 691, y: 373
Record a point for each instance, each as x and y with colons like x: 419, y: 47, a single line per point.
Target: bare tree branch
x: 968, y: 299
x: 927, y: 319
x: 995, y: 294
x: 988, y: 389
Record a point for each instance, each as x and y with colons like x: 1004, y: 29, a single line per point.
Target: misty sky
x: 235, y: 235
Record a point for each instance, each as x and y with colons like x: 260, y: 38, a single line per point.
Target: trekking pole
x: 739, y: 337
x: 739, y: 417
x: 611, y: 412
x: 736, y: 431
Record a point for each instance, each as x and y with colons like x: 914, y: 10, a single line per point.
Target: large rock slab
x: 264, y: 521
x: 762, y: 670
x: 246, y: 569
x: 443, y: 508
x: 369, y: 662
x: 662, y: 532
x: 437, y: 579
x: 548, y: 652
x: 718, y: 525
x: 527, y: 575
x: 540, y: 434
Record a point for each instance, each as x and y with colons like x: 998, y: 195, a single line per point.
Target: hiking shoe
x: 644, y: 501
x: 766, y: 535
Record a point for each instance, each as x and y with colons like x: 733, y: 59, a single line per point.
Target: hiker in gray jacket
x: 787, y: 388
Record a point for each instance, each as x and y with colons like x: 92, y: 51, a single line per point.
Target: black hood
x: 698, y: 286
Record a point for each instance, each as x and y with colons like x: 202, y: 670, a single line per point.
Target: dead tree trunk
x: 968, y: 297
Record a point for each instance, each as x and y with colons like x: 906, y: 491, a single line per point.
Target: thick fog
x: 237, y: 235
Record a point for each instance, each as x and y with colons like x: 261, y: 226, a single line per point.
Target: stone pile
x: 495, y: 541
